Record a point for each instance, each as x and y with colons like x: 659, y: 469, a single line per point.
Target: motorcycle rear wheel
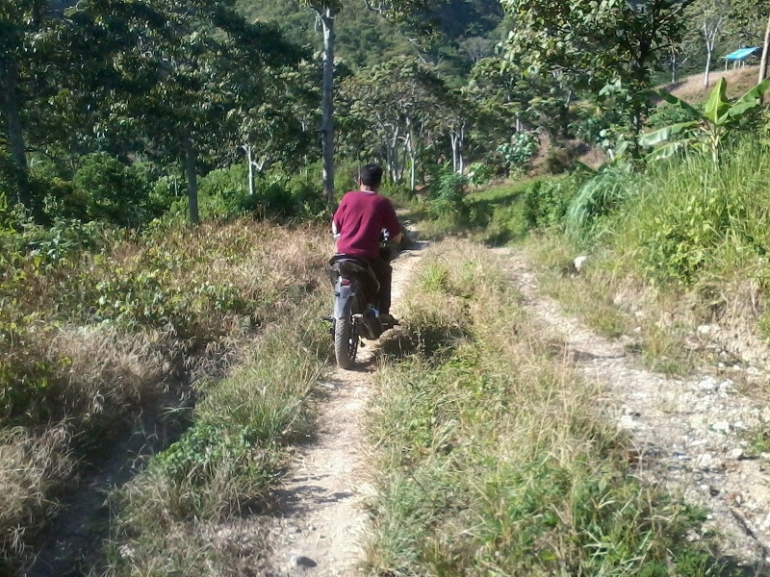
x: 345, y: 342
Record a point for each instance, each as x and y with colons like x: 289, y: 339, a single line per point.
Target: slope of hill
x: 691, y: 89
x: 364, y: 38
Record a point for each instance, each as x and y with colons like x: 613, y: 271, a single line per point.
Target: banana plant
x: 708, y: 127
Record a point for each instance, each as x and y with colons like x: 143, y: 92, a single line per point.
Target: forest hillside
x: 168, y: 171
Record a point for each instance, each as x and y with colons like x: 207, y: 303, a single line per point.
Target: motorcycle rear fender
x: 343, y: 299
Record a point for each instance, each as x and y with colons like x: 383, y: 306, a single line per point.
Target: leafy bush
x: 691, y: 216
x: 599, y: 196
x: 224, y: 194
x: 678, y: 238
x: 480, y: 173
x: 447, y: 195
x: 519, y: 152
x: 546, y: 202
x: 25, y: 374
x: 508, y: 223
x: 289, y: 197
x: 398, y: 191
x: 112, y: 191
x: 667, y: 115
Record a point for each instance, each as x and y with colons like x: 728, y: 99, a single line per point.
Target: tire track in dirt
x: 687, y: 432
x: 319, y: 519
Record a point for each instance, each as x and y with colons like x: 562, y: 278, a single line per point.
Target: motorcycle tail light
x: 345, y: 282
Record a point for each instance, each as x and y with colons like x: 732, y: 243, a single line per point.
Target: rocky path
x: 690, y: 433
x: 320, y: 522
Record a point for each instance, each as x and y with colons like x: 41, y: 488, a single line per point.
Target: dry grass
x: 691, y: 89
x: 188, y: 305
x: 661, y: 323
x: 110, y: 370
x: 32, y: 467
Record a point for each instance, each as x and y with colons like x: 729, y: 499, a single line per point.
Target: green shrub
x: 599, y: 196
x: 25, y: 375
x: 677, y: 239
x: 508, y: 223
x: 111, y: 190
x: 480, y: 173
x: 224, y: 194
x: 447, y: 196
x: 292, y: 197
x: 558, y: 159
x: 519, y: 152
x: 546, y: 202
x: 667, y: 115
x: 691, y: 216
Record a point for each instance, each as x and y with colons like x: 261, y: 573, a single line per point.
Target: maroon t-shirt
x: 359, y: 219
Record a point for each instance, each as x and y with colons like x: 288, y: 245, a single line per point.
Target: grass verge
x: 170, y: 518
x: 97, y: 325
x: 495, y: 459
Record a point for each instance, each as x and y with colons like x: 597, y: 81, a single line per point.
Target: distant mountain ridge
x: 364, y: 38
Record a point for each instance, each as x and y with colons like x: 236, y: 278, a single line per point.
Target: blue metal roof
x: 741, y: 54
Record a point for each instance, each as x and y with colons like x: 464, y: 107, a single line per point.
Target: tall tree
x: 18, y: 20
x: 326, y: 11
x: 186, y: 74
x: 412, y: 13
x: 710, y: 15
x: 597, y: 45
x: 398, y: 106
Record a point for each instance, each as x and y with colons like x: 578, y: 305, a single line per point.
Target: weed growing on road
x: 496, y: 460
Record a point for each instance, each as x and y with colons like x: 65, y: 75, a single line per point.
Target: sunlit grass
x: 497, y: 459
x: 92, y: 338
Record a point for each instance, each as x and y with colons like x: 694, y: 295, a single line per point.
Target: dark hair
x: 371, y: 175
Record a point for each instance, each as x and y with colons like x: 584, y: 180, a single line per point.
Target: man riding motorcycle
x: 357, y: 224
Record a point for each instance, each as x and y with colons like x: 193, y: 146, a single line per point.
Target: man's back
x: 359, y: 219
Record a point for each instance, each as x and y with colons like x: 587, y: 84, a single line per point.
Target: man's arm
x: 392, y: 225
x: 337, y: 219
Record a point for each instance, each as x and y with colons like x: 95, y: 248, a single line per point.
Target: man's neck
x: 368, y: 189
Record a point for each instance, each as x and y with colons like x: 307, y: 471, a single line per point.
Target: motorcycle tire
x: 345, y: 342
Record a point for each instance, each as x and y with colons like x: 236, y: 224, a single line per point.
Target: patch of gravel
x: 689, y: 433
x: 318, y: 523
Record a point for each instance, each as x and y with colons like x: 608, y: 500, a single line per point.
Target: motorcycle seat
x: 347, y: 265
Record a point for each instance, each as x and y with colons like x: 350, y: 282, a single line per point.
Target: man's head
x: 371, y: 176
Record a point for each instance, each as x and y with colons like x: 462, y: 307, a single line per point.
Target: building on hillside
x: 741, y: 56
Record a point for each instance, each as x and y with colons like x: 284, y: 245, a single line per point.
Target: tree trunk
x: 460, y: 149
x: 192, y: 181
x: 457, y: 137
x: 248, y: 149
x: 327, y: 100
x: 707, y: 75
x: 9, y: 78
x: 673, y: 67
x: 395, y: 168
x: 765, y: 49
x: 453, y: 140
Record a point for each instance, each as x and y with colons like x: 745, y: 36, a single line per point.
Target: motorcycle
x: 355, y: 315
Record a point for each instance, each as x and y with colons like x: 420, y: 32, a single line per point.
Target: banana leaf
x: 717, y: 105
x: 755, y: 93
x: 669, y: 149
x: 671, y: 99
x: 664, y: 134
